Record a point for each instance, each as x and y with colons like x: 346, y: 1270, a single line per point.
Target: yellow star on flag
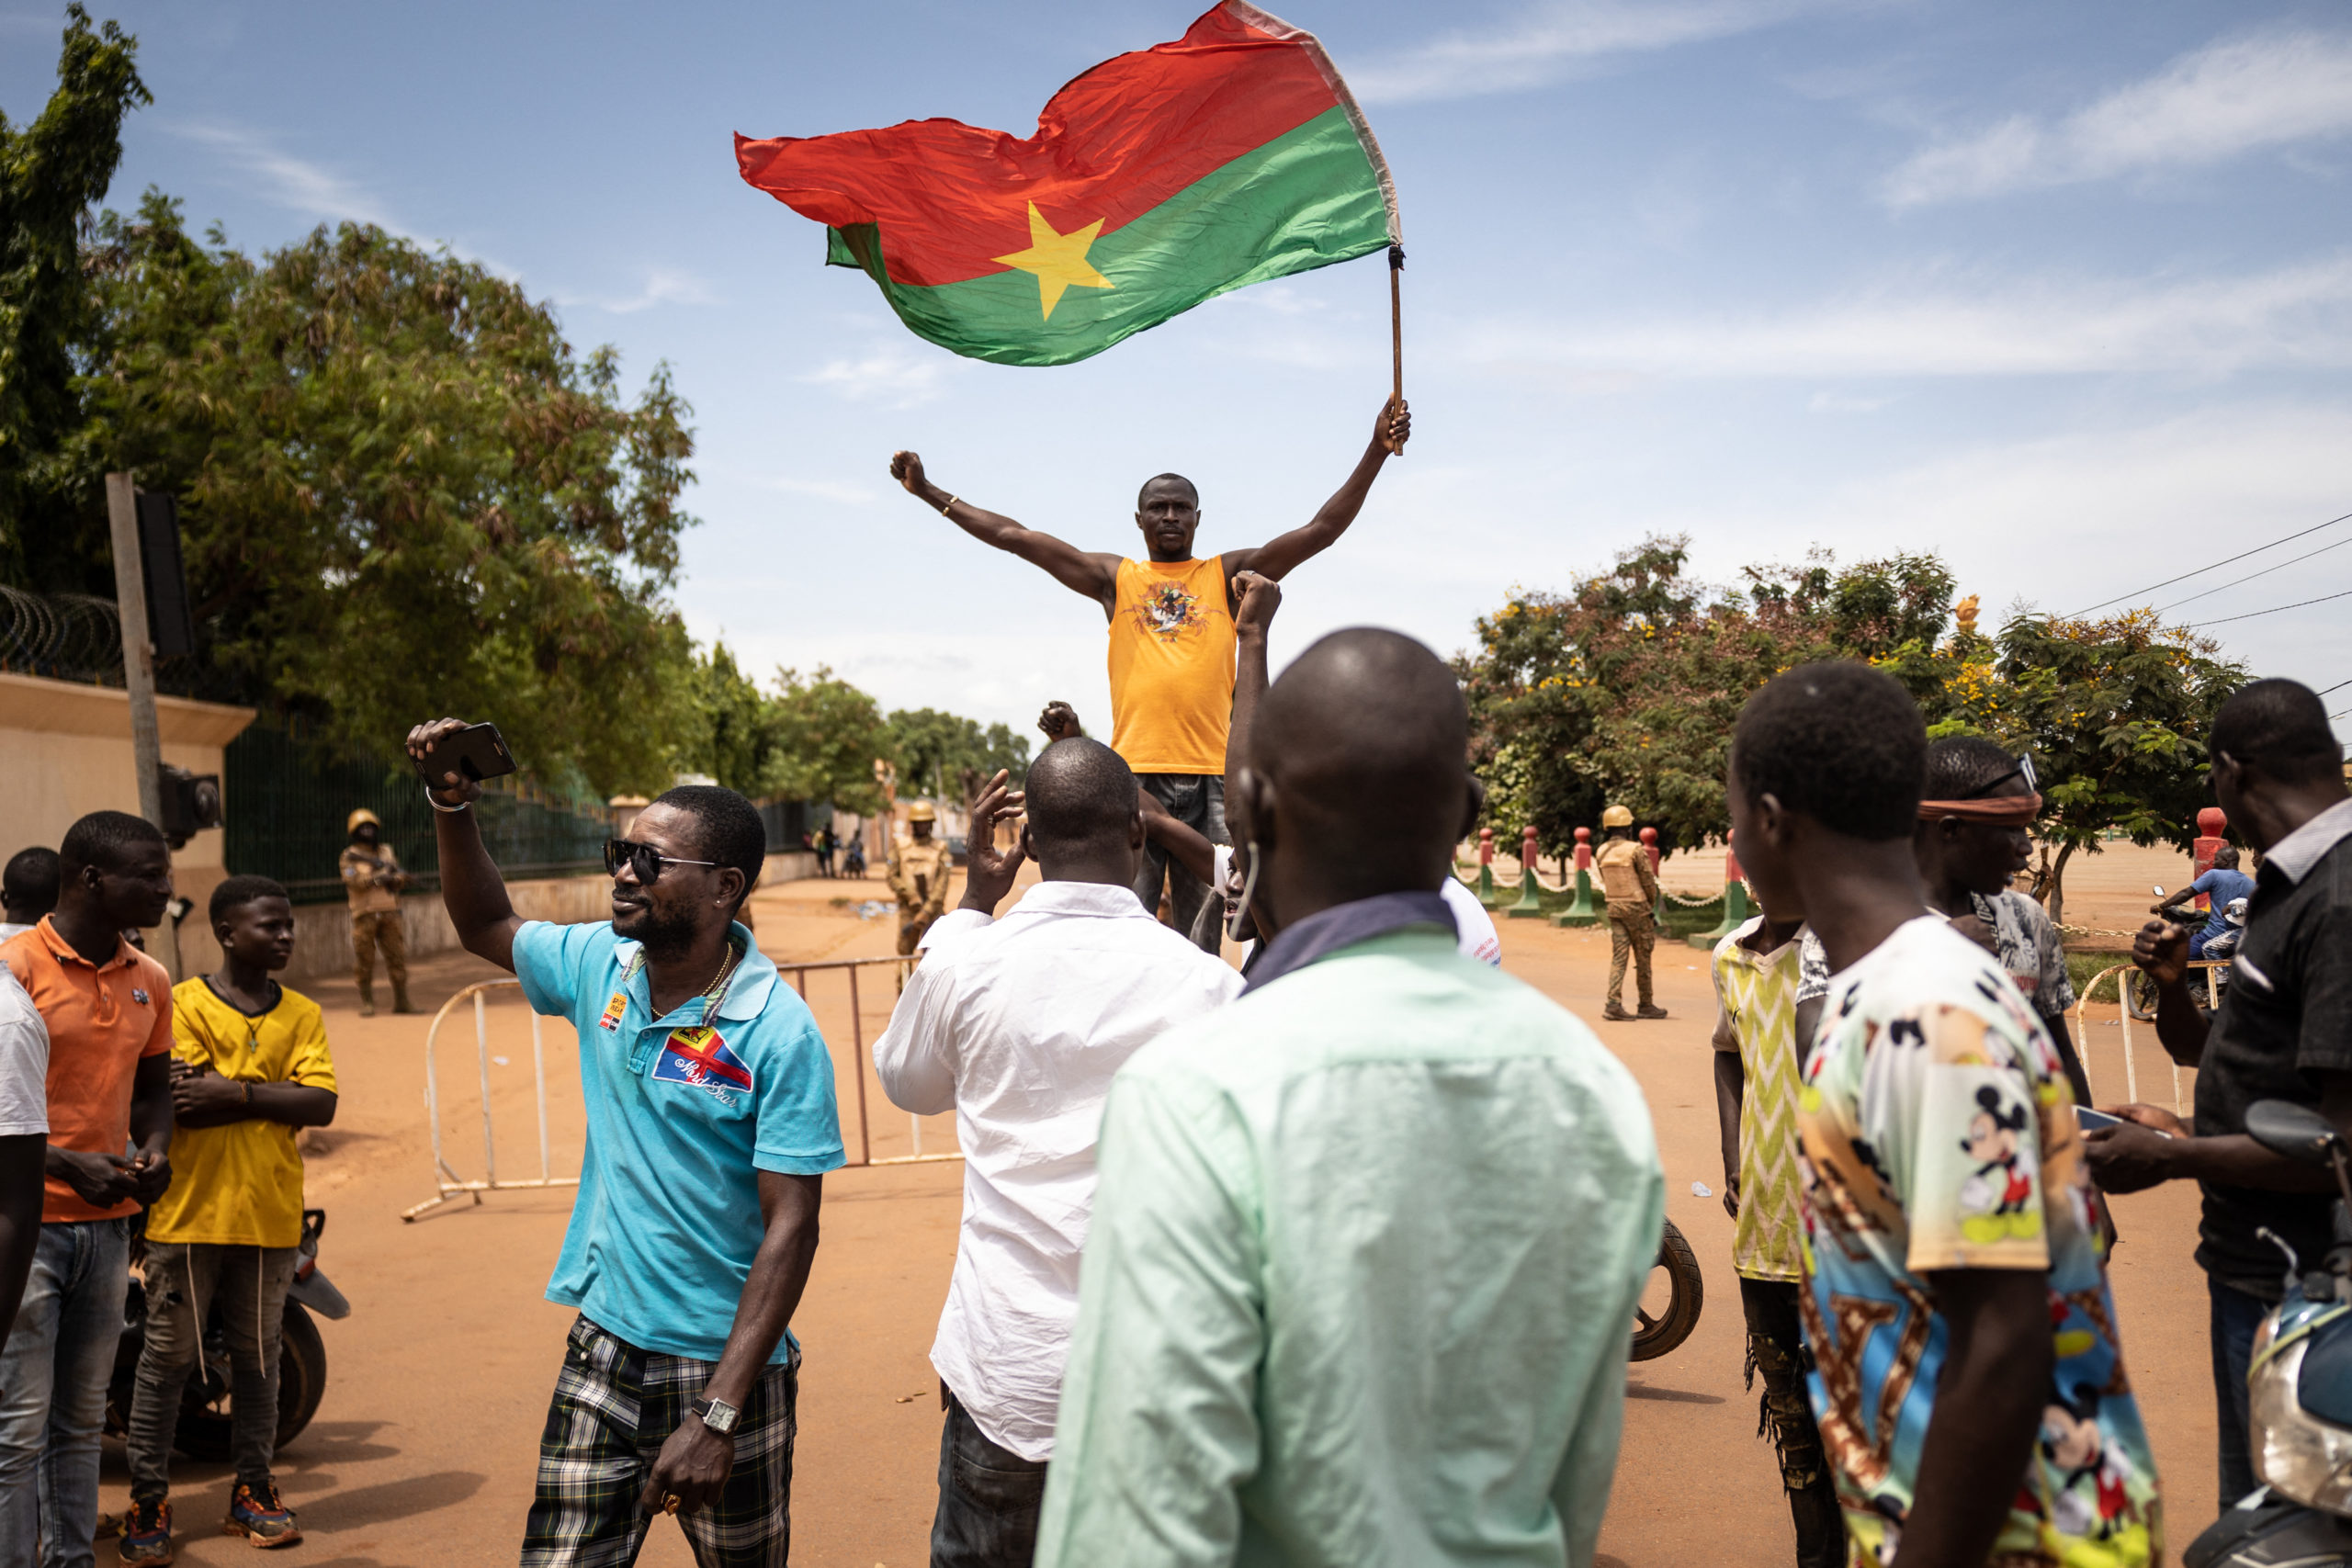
x: 1057, y: 260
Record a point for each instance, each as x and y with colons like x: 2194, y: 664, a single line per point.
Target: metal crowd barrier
x: 2121, y: 974
x: 449, y: 1185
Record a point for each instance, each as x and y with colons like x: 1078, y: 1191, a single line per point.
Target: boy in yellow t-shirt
x: 250, y: 1067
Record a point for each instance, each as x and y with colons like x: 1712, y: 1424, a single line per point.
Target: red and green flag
x: 1155, y: 181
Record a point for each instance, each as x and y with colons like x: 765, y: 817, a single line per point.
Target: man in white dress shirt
x: 1018, y: 1025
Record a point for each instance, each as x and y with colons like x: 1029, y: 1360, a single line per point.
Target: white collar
x: 2295, y: 854
x: 1098, y: 899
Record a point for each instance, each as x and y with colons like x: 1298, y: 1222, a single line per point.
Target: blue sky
x: 2063, y: 292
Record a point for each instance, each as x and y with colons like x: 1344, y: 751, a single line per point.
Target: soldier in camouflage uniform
x: 918, y: 873
x: 372, y: 879
x: 1632, y: 885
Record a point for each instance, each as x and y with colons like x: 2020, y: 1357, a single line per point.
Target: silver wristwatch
x: 717, y: 1415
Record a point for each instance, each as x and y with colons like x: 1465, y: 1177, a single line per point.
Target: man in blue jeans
x: 2283, y: 1032
x: 2224, y: 882
x: 709, y: 1099
x: 107, y: 1009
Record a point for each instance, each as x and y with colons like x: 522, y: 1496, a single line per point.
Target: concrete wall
x: 322, y: 932
x: 65, y: 752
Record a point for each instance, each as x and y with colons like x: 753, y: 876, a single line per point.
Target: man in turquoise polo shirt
x: 709, y: 1099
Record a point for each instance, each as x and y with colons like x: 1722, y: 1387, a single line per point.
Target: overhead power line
x: 2249, y: 576
x: 2274, y: 609
x: 2337, y: 687
x: 2215, y: 566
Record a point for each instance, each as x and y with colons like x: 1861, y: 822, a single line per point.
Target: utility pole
x: 139, y: 674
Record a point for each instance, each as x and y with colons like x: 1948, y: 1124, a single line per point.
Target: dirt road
x: 423, y: 1451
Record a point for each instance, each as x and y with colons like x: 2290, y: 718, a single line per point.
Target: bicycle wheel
x: 1668, y: 1308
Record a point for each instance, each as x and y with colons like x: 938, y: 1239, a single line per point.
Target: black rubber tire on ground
x: 1655, y: 1335
x: 2138, y: 995
x: 204, y: 1431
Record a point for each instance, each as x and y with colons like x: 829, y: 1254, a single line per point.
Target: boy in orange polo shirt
x: 108, y: 1008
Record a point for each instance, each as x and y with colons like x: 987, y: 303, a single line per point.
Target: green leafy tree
x: 401, y: 493
x: 52, y: 172
x: 1624, y: 688
x: 831, y: 734
x: 942, y: 752
x: 2115, y: 712
x: 735, y: 733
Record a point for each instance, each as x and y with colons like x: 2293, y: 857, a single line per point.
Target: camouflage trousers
x: 1631, y: 935
x: 369, y: 934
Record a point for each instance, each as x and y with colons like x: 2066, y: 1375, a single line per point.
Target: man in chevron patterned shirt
x: 1755, y: 974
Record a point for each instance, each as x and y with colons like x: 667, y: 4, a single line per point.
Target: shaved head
x: 1363, y: 744
x: 1175, y: 482
x: 1079, y: 792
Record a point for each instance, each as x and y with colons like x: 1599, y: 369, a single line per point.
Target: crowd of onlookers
x: 1330, y: 1259
x: 148, y: 1124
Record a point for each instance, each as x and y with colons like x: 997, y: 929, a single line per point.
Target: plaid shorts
x: 614, y: 1406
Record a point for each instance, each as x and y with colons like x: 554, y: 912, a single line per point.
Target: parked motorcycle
x: 2300, y: 1387
x: 204, y: 1431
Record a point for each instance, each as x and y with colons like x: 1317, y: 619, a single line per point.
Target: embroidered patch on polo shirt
x: 700, y: 1057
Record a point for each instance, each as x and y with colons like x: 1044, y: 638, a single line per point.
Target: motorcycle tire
x: 205, y: 1431
x: 1676, y: 1269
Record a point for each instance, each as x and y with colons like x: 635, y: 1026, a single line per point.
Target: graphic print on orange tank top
x: 1171, y: 666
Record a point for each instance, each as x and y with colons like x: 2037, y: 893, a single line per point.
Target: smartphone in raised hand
x: 476, y: 753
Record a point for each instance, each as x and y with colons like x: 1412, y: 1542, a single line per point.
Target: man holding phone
x: 2283, y: 1032
x: 709, y: 1099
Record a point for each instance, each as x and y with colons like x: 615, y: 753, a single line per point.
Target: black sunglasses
x: 643, y: 859
x: 2024, y: 770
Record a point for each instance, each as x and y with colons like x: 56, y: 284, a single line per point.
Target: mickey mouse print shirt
x: 683, y: 1112
x: 1938, y: 1133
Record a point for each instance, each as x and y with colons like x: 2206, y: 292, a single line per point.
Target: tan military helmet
x: 1616, y: 817
x: 351, y: 823
x: 922, y: 811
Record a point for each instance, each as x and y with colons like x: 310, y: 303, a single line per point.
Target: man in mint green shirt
x: 1361, y: 1280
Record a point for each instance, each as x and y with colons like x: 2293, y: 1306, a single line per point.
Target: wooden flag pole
x: 1396, y: 329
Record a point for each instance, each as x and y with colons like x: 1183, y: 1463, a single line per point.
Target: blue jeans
x: 2235, y: 1317
x: 53, y: 1379
x: 990, y: 1499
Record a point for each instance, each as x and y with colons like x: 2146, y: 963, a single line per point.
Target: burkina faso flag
x: 1156, y: 180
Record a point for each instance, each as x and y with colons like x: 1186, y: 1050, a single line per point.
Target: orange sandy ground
x: 423, y: 1451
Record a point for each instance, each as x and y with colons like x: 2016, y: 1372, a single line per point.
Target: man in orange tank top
x: 1171, y: 637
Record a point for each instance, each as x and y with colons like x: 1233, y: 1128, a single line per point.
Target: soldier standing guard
x: 372, y: 879
x: 1632, y: 886
x: 919, y: 877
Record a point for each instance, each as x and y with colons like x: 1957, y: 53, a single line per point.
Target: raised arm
x: 1276, y: 558
x: 1257, y: 597
x: 471, y: 889
x: 1089, y: 572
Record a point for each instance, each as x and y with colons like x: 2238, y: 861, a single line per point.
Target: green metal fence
x: 287, y: 805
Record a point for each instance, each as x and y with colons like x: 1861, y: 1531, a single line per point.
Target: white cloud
x: 296, y: 184
x: 2293, y: 317
x: 662, y: 286
x: 2226, y: 100
x: 892, y: 376
x: 1546, y: 41
x: 1844, y: 402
